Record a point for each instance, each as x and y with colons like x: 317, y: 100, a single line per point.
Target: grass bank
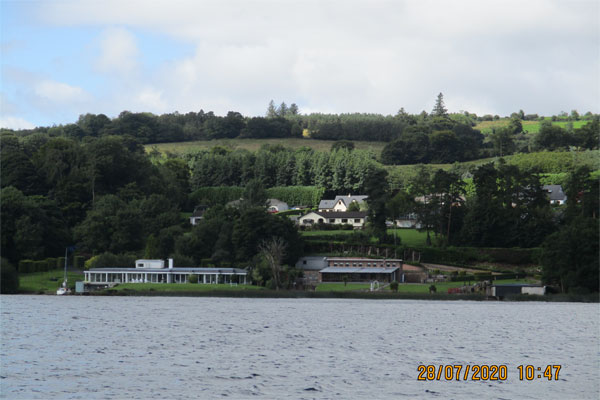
x: 47, y: 282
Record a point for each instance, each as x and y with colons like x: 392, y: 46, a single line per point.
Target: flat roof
x: 359, y: 270
x: 174, y: 270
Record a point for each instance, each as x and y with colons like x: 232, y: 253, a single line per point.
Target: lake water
x: 201, y: 348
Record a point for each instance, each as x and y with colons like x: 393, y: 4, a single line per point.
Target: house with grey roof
x: 555, y: 194
x: 341, y: 203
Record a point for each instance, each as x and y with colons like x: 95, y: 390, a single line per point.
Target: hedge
x: 293, y: 195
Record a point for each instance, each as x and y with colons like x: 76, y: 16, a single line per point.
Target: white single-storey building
x: 154, y: 271
x: 355, y: 218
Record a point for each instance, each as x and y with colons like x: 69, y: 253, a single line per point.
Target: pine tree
x: 294, y: 109
x: 283, y: 110
x: 271, y: 111
x: 439, y: 110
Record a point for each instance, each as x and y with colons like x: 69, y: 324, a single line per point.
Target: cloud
x: 346, y: 56
x: 118, y: 52
x: 60, y: 92
x: 15, y: 123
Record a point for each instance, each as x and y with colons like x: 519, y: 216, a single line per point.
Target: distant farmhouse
x: 341, y: 203
x: 198, y: 214
x: 555, y: 194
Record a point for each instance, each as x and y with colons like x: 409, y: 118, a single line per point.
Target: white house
x: 341, y: 203
x: 555, y: 194
x: 355, y: 218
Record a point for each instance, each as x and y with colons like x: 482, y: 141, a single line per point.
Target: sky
x: 60, y: 59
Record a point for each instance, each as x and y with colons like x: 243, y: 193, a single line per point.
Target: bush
x: 9, y: 277
x: 25, y: 266
x: 193, y: 278
x: 51, y: 264
x: 432, y: 289
x: 394, y: 286
x: 78, y: 262
x: 60, y: 263
x: 40, y: 266
x: 110, y: 260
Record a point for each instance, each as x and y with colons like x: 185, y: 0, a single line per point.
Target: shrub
x: 394, y: 286
x: 51, y: 264
x: 9, y: 277
x: 432, y: 289
x: 193, y: 278
x: 25, y: 266
x: 78, y: 262
x: 40, y: 266
x: 60, y: 263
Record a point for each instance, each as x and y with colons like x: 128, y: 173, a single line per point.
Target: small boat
x: 64, y: 289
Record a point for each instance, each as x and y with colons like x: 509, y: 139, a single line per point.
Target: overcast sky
x: 64, y: 58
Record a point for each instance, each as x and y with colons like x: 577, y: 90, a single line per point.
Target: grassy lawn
x: 47, y: 282
x: 255, y: 144
x: 442, y: 287
x: 181, y: 287
x: 339, y: 287
x: 409, y: 237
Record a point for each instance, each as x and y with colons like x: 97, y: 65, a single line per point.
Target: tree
x: 503, y: 141
x: 569, y: 257
x: 439, y: 110
x: 378, y: 197
x: 271, y: 110
x: 294, y: 109
x: 9, y: 278
x: 273, y: 250
x: 255, y: 194
x: 283, y: 110
x: 342, y: 144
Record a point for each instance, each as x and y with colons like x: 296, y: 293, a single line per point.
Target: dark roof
x: 341, y: 214
x: 555, y: 192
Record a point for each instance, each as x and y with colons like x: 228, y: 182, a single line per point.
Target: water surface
x: 149, y: 347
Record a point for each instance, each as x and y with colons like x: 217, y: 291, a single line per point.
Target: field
x: 528, y: 126
x: 409, y: 237
x: 47, y: 282
x: 255, y: 144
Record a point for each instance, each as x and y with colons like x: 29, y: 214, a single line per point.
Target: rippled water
x: 136, y: 347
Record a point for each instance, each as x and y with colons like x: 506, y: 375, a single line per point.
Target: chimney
x: 170, y: 263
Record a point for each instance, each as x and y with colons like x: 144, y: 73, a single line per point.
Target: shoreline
x: 291, y: 294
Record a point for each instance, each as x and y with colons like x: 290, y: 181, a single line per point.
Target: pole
x: 66, y: 255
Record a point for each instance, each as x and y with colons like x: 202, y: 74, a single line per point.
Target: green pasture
x: 256, y: 144
x: 47, y: 282
x: 528, y: 126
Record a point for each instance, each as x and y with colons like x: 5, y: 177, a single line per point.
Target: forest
x: 92, y: 186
